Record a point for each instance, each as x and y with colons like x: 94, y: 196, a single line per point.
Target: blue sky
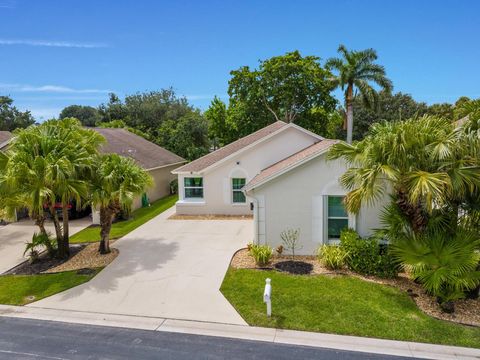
x: 57, y: 53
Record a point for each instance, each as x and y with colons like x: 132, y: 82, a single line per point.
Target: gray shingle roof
x: 217, y: 155
x: 145, y: 153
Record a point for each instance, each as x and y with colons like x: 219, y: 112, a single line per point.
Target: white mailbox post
x: 267, y: 296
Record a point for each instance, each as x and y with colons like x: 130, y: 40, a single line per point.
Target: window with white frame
x: 193, y: 187
x: 238, y: 196
x: 337, y: 217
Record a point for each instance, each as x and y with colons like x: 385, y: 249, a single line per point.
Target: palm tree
x: 116, y: 182
x: 48, y: 163
x: 425, y: 163
x: 356, y: 70
x: 446, y: 265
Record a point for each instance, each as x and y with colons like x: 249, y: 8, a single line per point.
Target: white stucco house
x: 303, y: 192
x: 213, y: 183
x: 281, y: 176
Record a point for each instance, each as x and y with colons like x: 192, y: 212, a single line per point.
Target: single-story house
x: 279, y: 174
x: 158, y: 161
x: 303, y: 192
x: 212, y: 184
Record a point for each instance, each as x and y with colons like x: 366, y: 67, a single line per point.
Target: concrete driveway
x: 166, y: 268
x: 14, y: 236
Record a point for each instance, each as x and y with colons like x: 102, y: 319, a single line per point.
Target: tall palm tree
x: 356, y: 70
x: 115, y: 183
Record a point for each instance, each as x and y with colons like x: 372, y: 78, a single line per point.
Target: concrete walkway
x: 166, y: 268
x: 276, y: 336
x: 14, y: 236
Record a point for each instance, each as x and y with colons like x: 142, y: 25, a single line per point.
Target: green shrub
x: 446, y: 265
x: 332, y: 256
x: 39, y: 242
x: 261, y: 253
x: 367, y: 256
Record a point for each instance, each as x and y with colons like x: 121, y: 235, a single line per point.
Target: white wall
x: 296, y: 200
x: 217, y: 182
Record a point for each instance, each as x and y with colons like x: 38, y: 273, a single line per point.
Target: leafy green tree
x: 219, y: 130
x: 116, y: 181
x: 186, y: 136
x: 146, y: 111
x: 390, y: 107
x: 88, y: 116
x: 355, y: 71
x: 286, y: 88
x: 51, y: 163
x: 11, y: 118
x: 444, y: 110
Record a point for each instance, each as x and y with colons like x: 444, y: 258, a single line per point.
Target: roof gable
x: 145, y: 153
x: 218, y: 156
x: 290, y: 163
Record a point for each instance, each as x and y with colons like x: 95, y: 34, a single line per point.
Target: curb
x: 278, y: 336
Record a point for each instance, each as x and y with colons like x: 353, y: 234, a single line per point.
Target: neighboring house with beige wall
x: 158, y: 161
x: 303, y: 192
x: 5, y: 137
x: 213, y: 184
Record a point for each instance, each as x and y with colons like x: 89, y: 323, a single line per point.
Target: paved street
x: 166, y: 268
x: 22, y: 339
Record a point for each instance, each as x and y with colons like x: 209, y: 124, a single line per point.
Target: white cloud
x: 49, y: 89
x: 52, y: 43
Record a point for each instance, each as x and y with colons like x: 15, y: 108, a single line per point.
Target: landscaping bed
x: 339, y: 304
x: 467, y: 311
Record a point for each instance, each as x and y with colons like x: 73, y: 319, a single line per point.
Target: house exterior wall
x: 297, y: 199
x: 217, y: 183
x: 161, y: 188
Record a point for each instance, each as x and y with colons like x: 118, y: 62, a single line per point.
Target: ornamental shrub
x: 367, y: 256
x: 332, y: 256
x: 261, y: 254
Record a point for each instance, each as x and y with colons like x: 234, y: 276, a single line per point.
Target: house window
x: 337, y: 217
x: 238, y: 197
x: 193, y: 187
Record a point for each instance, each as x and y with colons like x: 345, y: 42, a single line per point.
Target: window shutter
x: 317, y: 218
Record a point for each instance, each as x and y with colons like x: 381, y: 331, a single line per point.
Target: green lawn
x: 339, y: 305
x: 15, y: 289
x: 122, y: 228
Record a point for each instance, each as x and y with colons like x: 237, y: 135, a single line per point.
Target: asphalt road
x: 32, y: 339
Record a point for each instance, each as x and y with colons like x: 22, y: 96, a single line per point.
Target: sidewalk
x: 339, y: 342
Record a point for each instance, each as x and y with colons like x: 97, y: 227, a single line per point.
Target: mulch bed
x: 43, y: 263
x: 88, y: 258
x: 210, y: 217
x: 467, y: 311
x: 83, y: 257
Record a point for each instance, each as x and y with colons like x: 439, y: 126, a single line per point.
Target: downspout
x: 255, y: 218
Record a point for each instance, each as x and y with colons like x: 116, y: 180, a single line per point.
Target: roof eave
x: 249, y: 188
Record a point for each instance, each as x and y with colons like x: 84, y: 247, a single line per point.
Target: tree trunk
x: 58, y: 232
x: 66, y: 236
x: 40, y: 222
x: 349, y: 104
x: 106, y: 217
x: 415, y: 214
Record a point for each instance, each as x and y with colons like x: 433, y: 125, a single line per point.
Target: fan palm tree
x: 425, y: 163
x: 445, y: 265
x: 116, y: 182
x: 356, y: 71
